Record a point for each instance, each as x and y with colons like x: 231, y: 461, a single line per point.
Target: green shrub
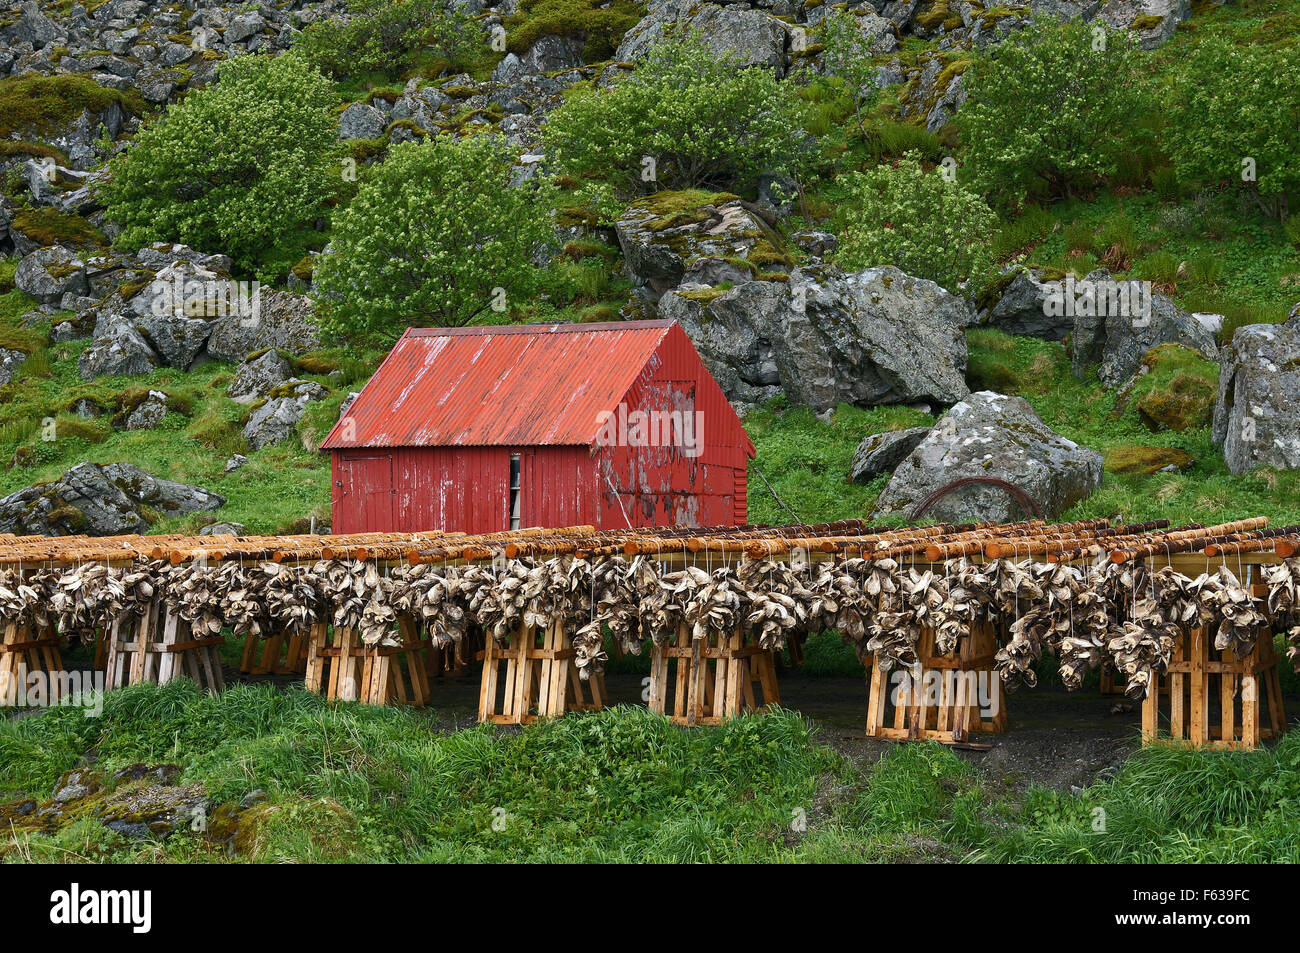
x: 1164, y: 181
x: 686, y: 118
x: 380, y: 36
x: 436, y: 235
x: 1292, y: 229
x: 1050, y: 112
x: 245, y: 166
x: 1248, y: 138
x: 919, y: 221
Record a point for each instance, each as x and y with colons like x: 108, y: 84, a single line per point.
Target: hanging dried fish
x: 1227, y: 607
x: 293, y: 599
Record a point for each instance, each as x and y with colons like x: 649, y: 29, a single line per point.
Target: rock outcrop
x: 882, y: 452
x: 100, y: 500
x: 826, y: 337
x: 992, y: 435
x: 1257, y: 416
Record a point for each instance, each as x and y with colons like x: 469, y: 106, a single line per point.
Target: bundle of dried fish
x: 195, y: 591
x: 852, y: 592
x: 894, y: 635
x: 1283, y: 582
x: 1046, y: 596
x: 617, y: 586
x: 40, y: 609
x: 87, y: 598
x: 779, y: 601
x: 558, y: 590
x: 434, y: 598
x: 378, y: 623
x: 1091, y: 625
x: 1228, y: 608
x: 1141, y: 654
x: 497, y: 597
x: 1016, y: 588
x: 244, y: 605
x: 664, y: 608
x: 293, y: 599
x: 1014, y: 661
x: 142, y: 582
x: 959, y: 608
x: 714, y: 606
x: 348, y: 586
x: 1163, y: 603
x: 17, y: 598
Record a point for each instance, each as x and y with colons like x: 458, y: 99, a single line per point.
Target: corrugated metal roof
x: 518, y: 385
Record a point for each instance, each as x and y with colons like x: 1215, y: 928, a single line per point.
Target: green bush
x: 1248, y: 137
x: 245, y: 167
x: 920, y: 221
x: 383, y: 35
x: 686, y: 118
x: 431, y: 236
x: 1051, y: 111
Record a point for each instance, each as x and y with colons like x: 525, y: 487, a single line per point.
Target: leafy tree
x: 1051, y: 110
x: 921, y: 221
x: 245, y: 167
x: 1236, y: 116
x: 382, y: 35
x: 686, y: 118
x: 436, y: 235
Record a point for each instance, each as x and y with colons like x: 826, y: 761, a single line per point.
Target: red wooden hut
x: 487, y: 429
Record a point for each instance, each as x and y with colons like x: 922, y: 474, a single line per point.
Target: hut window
x: 514, y: 491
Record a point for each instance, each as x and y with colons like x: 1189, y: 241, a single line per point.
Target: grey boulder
x: 1116, y: 338
x: 360, y: 121
x: 750, y: 37
x: 992, y: 435
x: 10, y: 361
x: 827, y: 337
x: 118, y: 349
x: 256, y: 376
x: 47, y: 274
x: 661, y: 256
x: 1257, y: 415
x: 283, y: 320
x: 99, y: 501
x: 882, y: 452
x: 1023, y: 309
x: 273, y: 421
x: 149, y: 413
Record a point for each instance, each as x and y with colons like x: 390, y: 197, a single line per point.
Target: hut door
x: 367, y: 488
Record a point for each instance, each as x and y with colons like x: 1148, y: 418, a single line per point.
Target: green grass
x: 807, y: 461
x: 354, y: 783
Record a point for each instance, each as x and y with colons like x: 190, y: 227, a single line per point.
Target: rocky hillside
x: 905, y: 236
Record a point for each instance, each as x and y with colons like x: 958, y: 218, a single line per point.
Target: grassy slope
x: 348, y: 783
